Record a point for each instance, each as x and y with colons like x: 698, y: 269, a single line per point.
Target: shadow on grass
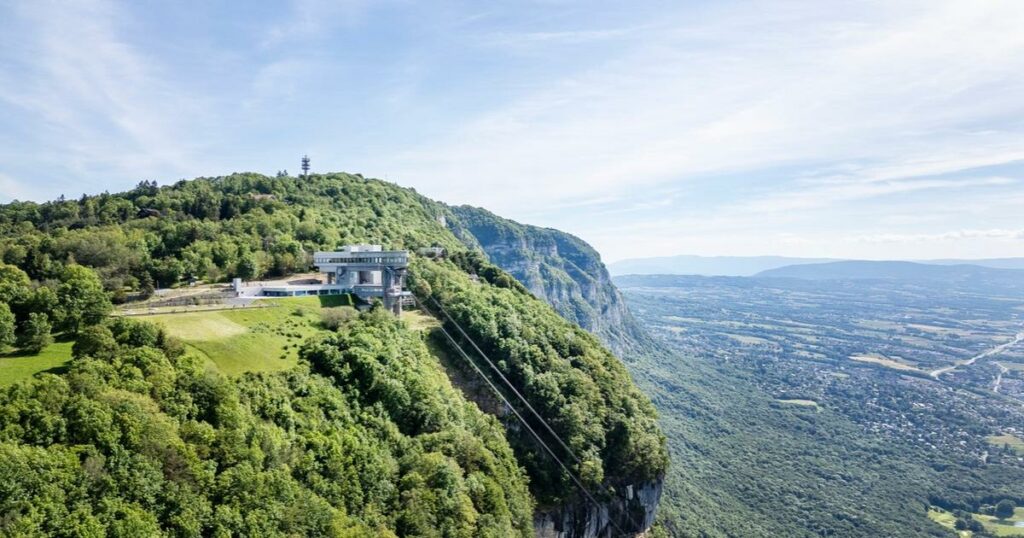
x: 56, y: 370
x: 330, y: 301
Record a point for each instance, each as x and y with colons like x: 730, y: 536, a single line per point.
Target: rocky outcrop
x: 558, y: 267
x: 568, y: 273
x: 631, y: 513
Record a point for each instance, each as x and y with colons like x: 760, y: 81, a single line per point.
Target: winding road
x: 987, y: 353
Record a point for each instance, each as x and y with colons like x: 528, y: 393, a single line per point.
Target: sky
x: 856, y: 129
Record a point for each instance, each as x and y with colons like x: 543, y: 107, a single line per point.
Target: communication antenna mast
x: 305, y: 166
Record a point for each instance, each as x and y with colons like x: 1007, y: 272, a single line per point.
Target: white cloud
x: 99, y: 103
x: 890, y: 89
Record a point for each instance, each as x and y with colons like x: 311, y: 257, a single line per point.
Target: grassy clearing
x: 1016, y: 443
x: 947, y: 520
x: 749, y: 340
x: 1013, y: 526
x: 15, y: 366
x: 234, y: 341
x: 884, y: 361
x: 250, y: 339
x: 804, y: 403
x: 419, y: 321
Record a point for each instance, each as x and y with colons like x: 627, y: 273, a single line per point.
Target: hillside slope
x: 254, y: 226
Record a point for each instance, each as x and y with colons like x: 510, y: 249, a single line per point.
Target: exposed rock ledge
x: 632, y: 512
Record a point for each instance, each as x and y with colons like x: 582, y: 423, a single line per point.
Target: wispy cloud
x: 956, y: 235
x: 709, y: 127
x: 861, y: 101
x: 884, y: 89
x: 309, y: 19
x: 100, y: 102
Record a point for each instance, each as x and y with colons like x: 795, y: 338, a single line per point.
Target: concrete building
x: 367, y: 271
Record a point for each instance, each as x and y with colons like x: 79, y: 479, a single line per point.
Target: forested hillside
x: 366, y: 434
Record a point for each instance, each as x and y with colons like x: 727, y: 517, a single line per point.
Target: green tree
x: 6, y: 326
x: 35, y: 333
x: 96, y: 341
x: 82, y: 299
x: 248, y: 267
x: 1005, y: 509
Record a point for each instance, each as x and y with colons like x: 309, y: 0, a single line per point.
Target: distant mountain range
x: 859, y: 269
x: 753, y: 265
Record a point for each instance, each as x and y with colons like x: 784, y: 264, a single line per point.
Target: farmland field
x: 918, y: 378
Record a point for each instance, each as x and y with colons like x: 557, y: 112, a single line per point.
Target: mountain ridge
x: 751, y: 265
x: 861, y: 269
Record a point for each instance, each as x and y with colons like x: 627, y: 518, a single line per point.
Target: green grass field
x: 233, y: 341
x: 249, y: 339
x: 14, y: 366
x: 1013, y: 526
x: 947, y: 520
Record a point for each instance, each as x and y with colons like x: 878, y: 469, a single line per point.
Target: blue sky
x: 871, y: 129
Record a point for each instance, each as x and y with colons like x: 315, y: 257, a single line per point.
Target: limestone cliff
x: 568, y: 273
x: 558, y: 267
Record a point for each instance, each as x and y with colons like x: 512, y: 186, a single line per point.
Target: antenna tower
x: 305, y: 166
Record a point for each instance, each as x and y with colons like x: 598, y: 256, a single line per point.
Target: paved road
x: 999, y: 378
x: 988, y: 353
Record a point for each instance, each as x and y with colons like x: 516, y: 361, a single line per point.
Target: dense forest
x: 366, y: 435
x: 137, y: 438
x: 564, y: 373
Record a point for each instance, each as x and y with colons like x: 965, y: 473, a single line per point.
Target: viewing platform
x: 366, y: 271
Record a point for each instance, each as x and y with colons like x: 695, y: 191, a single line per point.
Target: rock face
x: 558, y: 267
x: 632, y: 513
x: 568, y: 273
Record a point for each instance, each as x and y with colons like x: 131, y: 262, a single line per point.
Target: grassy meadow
x: 234, y: 341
